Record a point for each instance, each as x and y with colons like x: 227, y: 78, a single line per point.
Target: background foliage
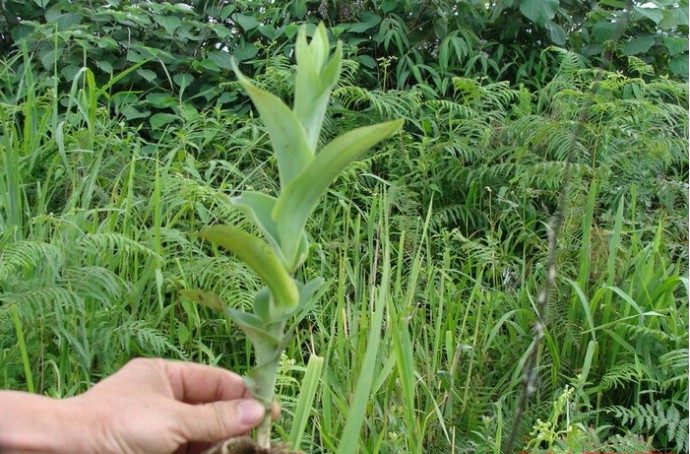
x: 165, y: 52
x: 117, y: 118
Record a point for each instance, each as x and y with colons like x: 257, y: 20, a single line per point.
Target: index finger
x: 197, y: 383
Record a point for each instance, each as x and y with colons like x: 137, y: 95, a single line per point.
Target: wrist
x: 34, y: 423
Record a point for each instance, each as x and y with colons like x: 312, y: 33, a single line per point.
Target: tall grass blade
x: 19, y: 329
x: 361, y: 397
x: 309, y: 385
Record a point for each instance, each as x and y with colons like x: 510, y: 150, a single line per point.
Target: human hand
x: 159, y: 406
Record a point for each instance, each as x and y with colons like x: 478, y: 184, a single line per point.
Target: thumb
x: 219, y: 420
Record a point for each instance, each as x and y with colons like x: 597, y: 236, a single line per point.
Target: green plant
x: 95, y: 219
x: 304, y: 175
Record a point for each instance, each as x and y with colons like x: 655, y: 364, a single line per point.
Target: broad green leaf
x: 367, y: 61
x: 147, y: 74
x: 70, y: 71
x: 638, y: 45
x: 262, y: 304
x: 556, y: 33
x: 299, y: 8
x: 613, y: 3
x: 289, y: 30
x: 246, y: 22
x: 183, y: 80
x: 591, y: 49
x: 314, y: 81
x: 183, y: 7
x: 267, y: 345
x: 308, y: 297
x: 679, y: 65
x: 675, y: 44
x: 388, y: 5
x: 303, y: 53
x: 301, y: 255
x: 222, y: 59
x: 161, y: 119
x: 169, y: 23
x: 307, y: 291
x: 539, y: 11
x: 160, y: 100
x: 605, y: 31
x: 65, y: 21
x: 319, y: 46
x: 654, y: 14
x: 135, y: 57
x: 104, y: 65
x: 132, y: 113
x: 285, y: 130
x: 299, y: 198
x: 250, y: 323
x: 23, y: 31
x: 441, y: 27
x: 227, y: 11
x: 261, y: 258
x: 50, y: 57
x: 206, y: 298
x: 207, y: 64
x: 269, y: 31
x: 680, y: 15
x: 245, y: 52
x: 367, y: 20
x: 258, y: 207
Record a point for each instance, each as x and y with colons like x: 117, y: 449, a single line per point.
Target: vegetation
x: 305, y: 176
x: 123, y: 133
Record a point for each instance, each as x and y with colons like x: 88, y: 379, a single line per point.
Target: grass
x: 421, y: 339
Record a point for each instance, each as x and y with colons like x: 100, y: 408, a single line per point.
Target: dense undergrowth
x: 441, y: 232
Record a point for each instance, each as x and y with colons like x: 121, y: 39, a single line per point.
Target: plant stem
x: 263, y: 431
x: 264, y: 390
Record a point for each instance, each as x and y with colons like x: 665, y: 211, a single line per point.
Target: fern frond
x: 112, y: 244
x: 238, y: 282
x: 494, y: 100
x: 455, y: 214
x: 30, y: 255
x: 174, y: 239
x: 663, y: 419
x: 145, y: 338
x: 447, y: 106
x: 676, y: 364
x: 97, y: 283
x: 619, y: 375
x: 569, y: 63
x: 348, y: 73
x: 639, y: 66
x: 648, y: 333
x: 625, y: 444
x: 388, y: 104
x: 54, y: 295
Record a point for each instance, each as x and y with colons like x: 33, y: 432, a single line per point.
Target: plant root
x: 245, y: 445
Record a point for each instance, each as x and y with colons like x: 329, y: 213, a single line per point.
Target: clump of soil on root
x: 245, y: 445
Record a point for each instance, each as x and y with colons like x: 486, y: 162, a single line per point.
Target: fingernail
x: 250, y: 411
